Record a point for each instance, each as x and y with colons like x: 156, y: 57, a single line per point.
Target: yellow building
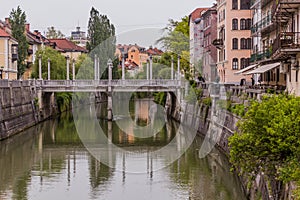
x: 8, y: 56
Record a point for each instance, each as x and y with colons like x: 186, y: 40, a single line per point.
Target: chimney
x: 7, y: 21
x: 27, y: 27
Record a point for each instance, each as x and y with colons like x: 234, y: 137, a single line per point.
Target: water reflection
x: 50, y: 162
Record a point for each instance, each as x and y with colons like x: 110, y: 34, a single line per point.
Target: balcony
x: 262, y: 55
x: 286, y: 43
x: 282, y: 10
x: 262, y: 24
x: 218, y: 43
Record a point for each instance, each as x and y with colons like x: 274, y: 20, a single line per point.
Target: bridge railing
x: 133, y: 82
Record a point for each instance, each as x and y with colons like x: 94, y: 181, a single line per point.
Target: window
x: 246, y: 43
x: 235, y: 25
x: 235, y: 64
x: 235, y: 43
x: 245, y: 62
x: 245, y: 4
x: 248, y: 24
x: 296, y: 75
x: 234, y: 4
x: 243, y: 24
x: 243, y: 43
x: 249, y: 43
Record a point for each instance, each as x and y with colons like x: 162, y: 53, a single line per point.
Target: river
x: 50, y: 161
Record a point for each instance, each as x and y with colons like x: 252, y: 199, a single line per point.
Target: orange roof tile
x: 3, y: 33
x: 197, y: 13
x: 67, y: 45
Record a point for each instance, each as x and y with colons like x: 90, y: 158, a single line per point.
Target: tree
x: 177, y: 41
x: 52, y: 33
x: 17, y: 20
x: 268, y: 142
x: 102, y: 39
x: 58, y: 64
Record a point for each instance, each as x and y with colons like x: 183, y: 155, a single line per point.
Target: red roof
x: 66, y: 45
x: 155, y: 51
x: 3, y: 33
x: 197, y: 13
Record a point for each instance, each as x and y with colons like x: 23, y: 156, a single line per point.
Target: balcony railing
x: 265, y: 22
x: 218, y: 43
x: 260, y: 56
x: 287, y: 40
x: 283, y: 8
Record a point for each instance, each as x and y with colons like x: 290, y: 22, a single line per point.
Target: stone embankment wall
x: 23, y: 105
x: 20, y: 107
x: 223, y: 125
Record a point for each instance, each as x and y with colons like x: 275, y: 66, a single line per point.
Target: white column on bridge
x: 49, y: 68
x: 68, y: 68
x: 109, y: 65
x: 40, y: 67
x: 178, y: 68
x: 123, y: 67
x: 151, y: 65
x: 172, y: 68
x: 98, y: 69
x: 95, y: 67
x: 73, y: 69
x: 109, y: 97
x: 147, y: 69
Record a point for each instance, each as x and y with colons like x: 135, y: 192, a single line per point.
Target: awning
x: 245, y: 69
x: 264, y: 68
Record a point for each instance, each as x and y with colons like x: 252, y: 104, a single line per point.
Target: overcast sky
x: 127, y: 16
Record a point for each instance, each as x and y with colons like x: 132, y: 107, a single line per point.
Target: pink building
x: 210, y: 52
x: 234, y: 40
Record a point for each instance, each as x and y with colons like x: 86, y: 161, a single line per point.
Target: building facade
x: 79, y: 37
x: 234, y: 41
x: 8, y: 56
x: 209, y: 59
x: 196, y: 39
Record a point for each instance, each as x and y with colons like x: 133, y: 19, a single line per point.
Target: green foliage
x: 207, y: 101
x: 268, y: 139
x: 177, y: 41
x: 84, y: 67
x: 238, y: 109
x: 160, y: 98
x: 17, y: 20
x: 102, y: 41
x: 58, y: 64
x: 52, y: 33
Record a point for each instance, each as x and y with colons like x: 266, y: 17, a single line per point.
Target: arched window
x: 234, y: 4
x: 243, y: 24
x: 248, y: 43
x: 235, y: 24
x: 248, y: 24
x: 243, y: 43
x: 235, y: 64
x: 243, y: 63
x: 235, y: 43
